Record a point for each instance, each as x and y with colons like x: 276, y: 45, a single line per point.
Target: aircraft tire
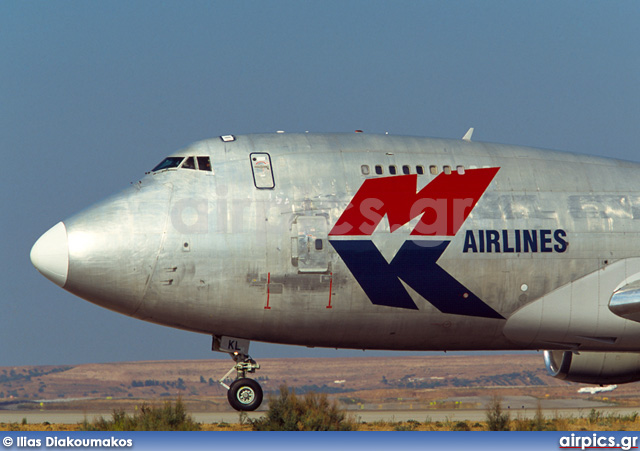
x: 245, y: 394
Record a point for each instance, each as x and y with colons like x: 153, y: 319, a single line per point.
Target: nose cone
x: 50, y: 254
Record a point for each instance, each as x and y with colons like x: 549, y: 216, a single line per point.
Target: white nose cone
x: 50, y: 254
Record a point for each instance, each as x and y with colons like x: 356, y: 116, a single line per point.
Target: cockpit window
x: 168, y: 163
x: 204, y: 164
x: 189, y: 163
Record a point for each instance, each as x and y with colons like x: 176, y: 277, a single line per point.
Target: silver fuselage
x: 227, y: 252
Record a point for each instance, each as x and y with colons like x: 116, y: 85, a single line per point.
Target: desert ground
x: 373, y: 388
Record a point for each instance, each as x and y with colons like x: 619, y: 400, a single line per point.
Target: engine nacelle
x: 593, y: 367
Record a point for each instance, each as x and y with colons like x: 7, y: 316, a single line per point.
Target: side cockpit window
x: 189, y: 163
x: 204, y: 164
x: 168, y: 163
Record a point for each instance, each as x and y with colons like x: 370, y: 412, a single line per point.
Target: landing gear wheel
x: 245, y: 394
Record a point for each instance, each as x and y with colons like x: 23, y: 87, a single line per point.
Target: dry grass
x: 592, y: 422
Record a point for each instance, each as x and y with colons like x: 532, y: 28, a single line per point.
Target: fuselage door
x: 262, y: 170
x: 312, y: 244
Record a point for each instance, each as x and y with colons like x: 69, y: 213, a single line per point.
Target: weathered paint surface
x: 532, y: 257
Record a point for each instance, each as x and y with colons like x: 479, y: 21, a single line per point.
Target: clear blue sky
x: 93, y: 94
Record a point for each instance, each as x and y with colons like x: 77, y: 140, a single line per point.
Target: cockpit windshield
x: 167, y: 163
x: 200, y: 163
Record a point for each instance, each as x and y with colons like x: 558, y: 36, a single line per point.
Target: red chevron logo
x: 444, y: 204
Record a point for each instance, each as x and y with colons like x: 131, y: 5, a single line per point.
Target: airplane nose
x: 50, y: 254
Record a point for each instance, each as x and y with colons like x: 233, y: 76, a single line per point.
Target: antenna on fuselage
x: 467, y: 136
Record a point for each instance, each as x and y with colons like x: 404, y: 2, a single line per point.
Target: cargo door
x: 310, y: 244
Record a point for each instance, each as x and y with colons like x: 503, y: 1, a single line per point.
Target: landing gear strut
x: 243, y: 394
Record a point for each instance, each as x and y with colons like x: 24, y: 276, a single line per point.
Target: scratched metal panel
x: 312, y: 244
x: 220, y: 285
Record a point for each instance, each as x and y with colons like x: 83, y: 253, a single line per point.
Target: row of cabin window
x: 406, y: 169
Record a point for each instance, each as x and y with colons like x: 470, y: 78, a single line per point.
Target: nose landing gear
x: 244, y: 394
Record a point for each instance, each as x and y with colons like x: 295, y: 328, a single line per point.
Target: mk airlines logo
x: 440, y: 208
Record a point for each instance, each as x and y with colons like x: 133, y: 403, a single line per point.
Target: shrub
x: 538, y: 422
x: 632, y: 417
x: 169, y: 417
x: 496, y: 419
x: 461, y: 426
x: 594, y: 417
x: 313, y: 412
x: 405, y: 427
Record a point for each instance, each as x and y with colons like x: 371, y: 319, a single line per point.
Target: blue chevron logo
x: 416, y: 265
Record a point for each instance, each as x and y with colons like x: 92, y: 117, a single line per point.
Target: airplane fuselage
x: 371, y: 242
